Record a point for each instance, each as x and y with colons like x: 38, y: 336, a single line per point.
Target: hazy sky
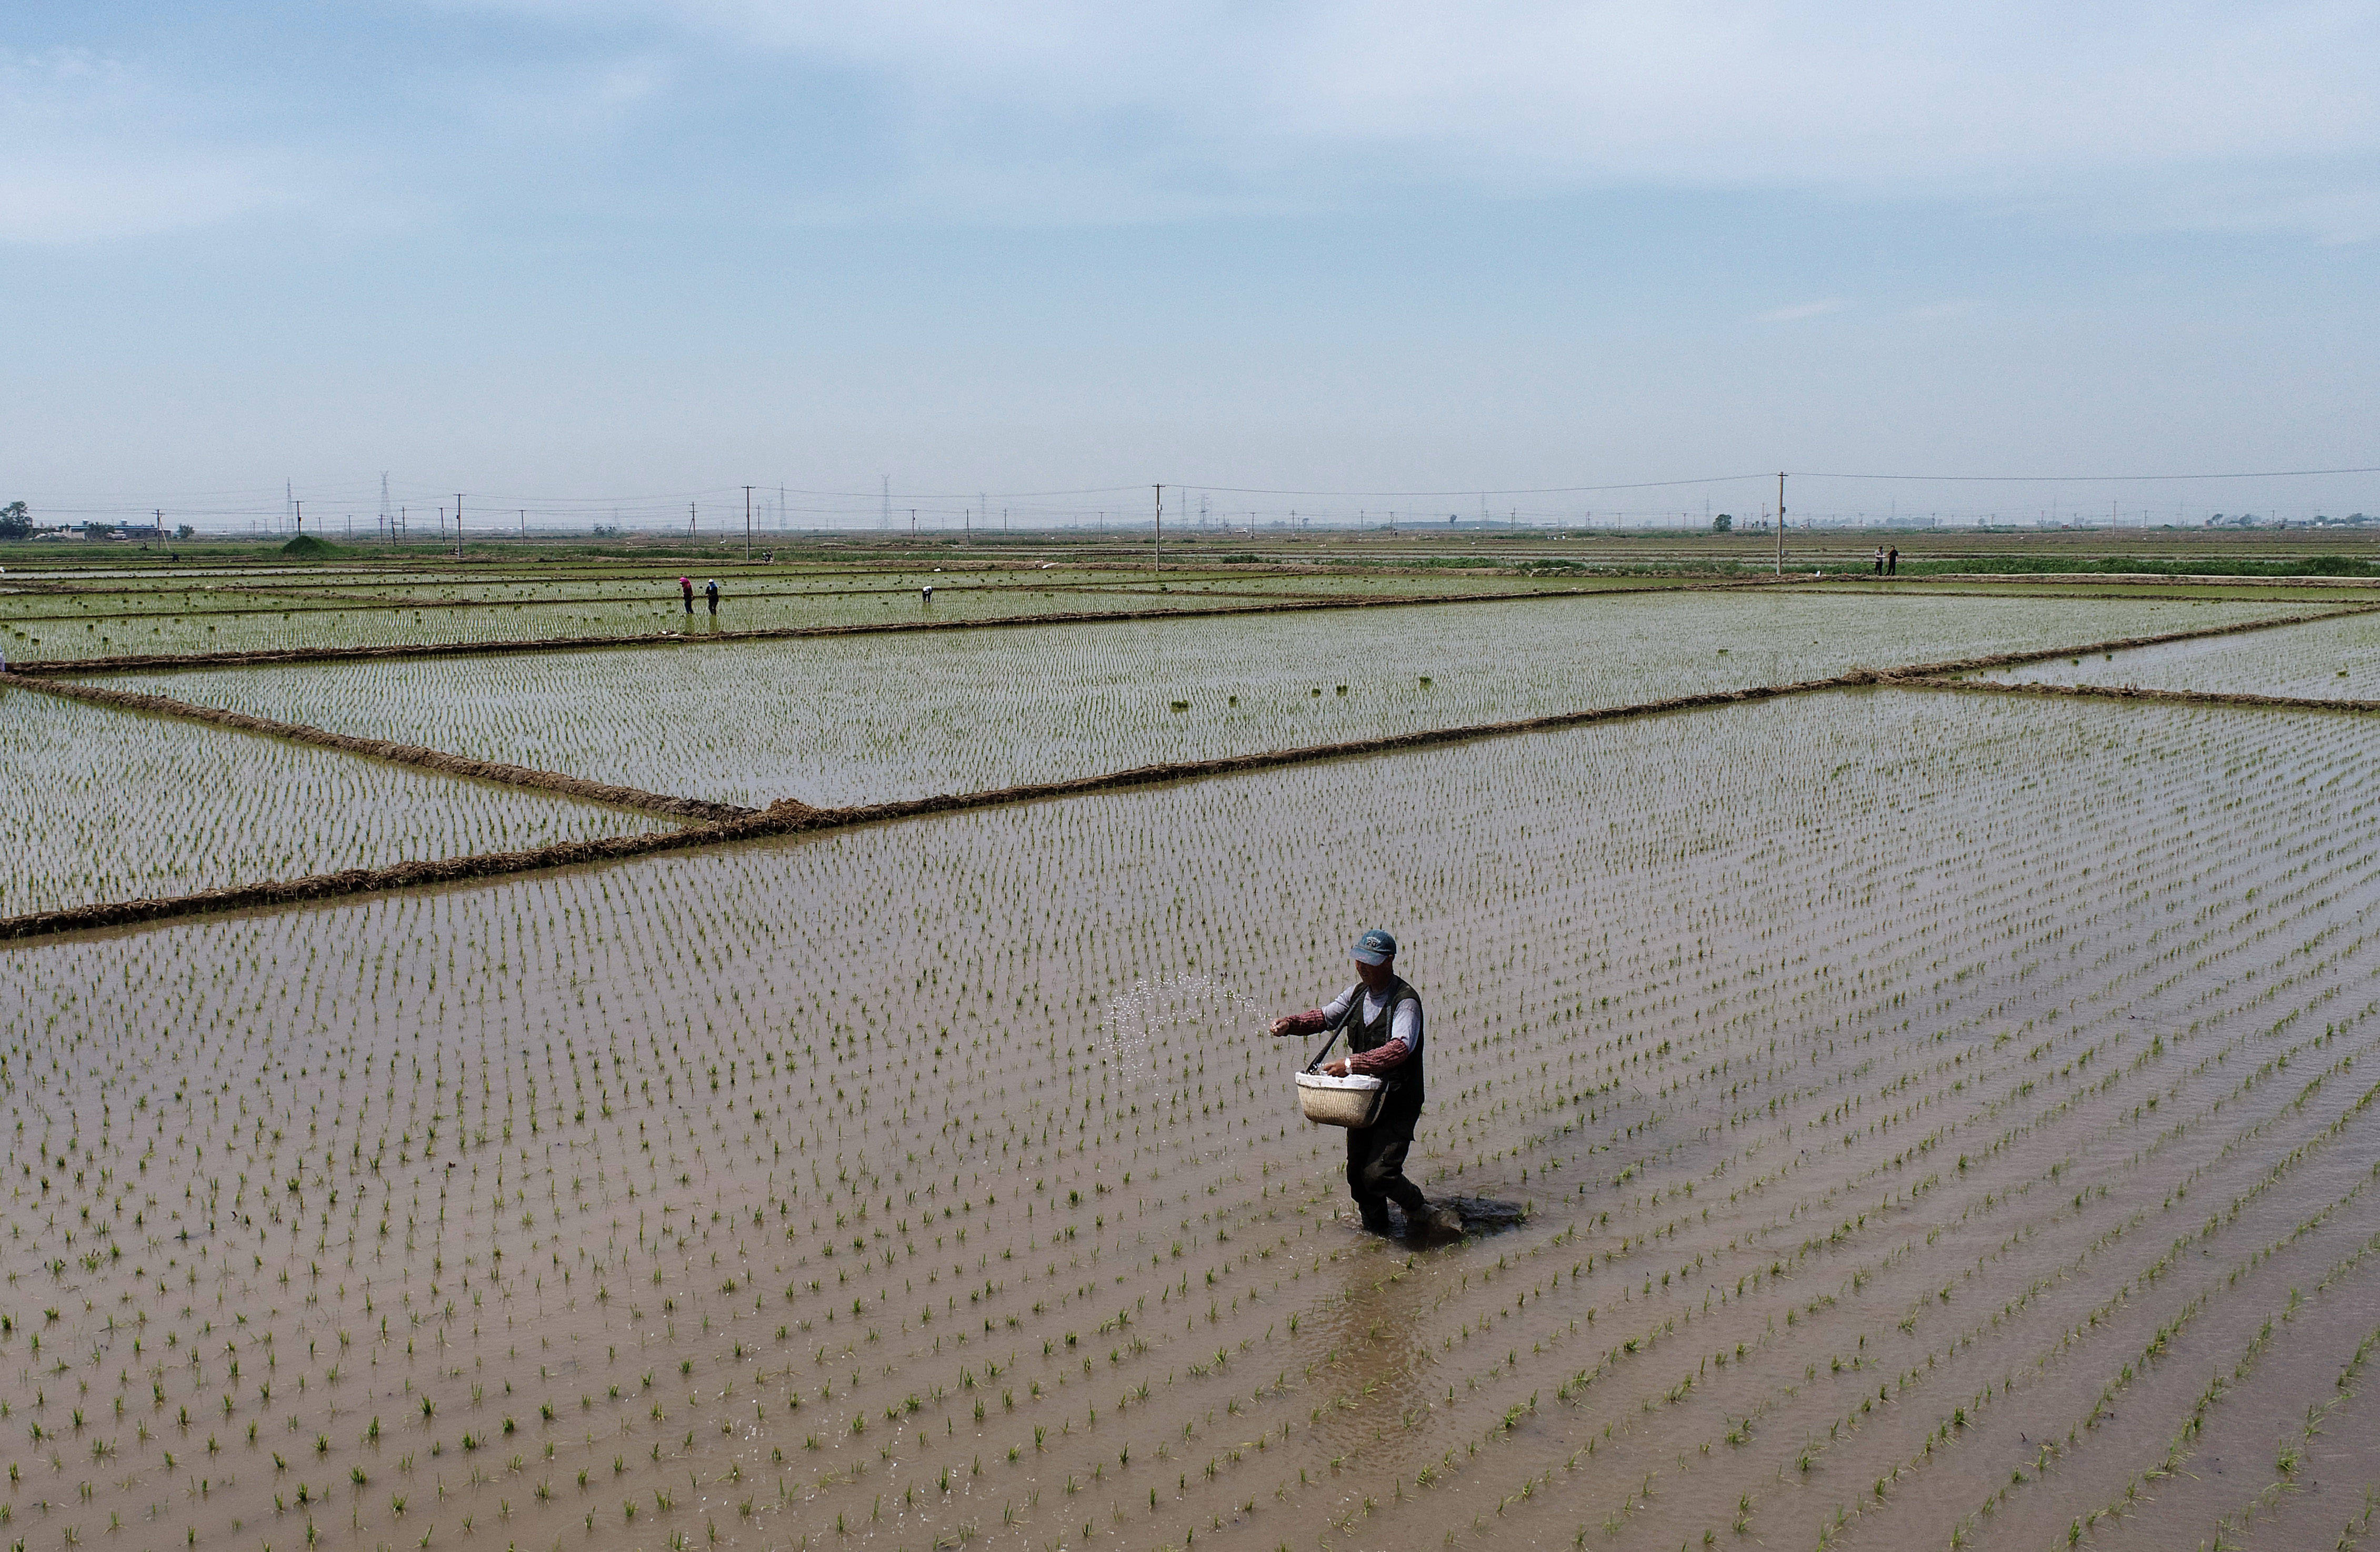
x: 640, y: 251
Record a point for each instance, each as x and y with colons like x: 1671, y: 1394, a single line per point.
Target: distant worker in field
x: 927, y: 593
x: 1381, y: 1017
x: 686, y: 585
x: 1880, y: 560
x: 711, y: 591
x: 1892, y: 561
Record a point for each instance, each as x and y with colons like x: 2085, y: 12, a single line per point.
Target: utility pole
x: 524, y: 512
x: 1780, y: 523
x: 689, y: 522
x: 1160, y: 529
x: 458, y: 525
x: 886, y: 520
x: 301, y: 517
x: 747, y: 523
x: 913, y: 522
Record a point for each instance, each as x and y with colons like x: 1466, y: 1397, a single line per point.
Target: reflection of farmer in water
x: 1381, y: 1017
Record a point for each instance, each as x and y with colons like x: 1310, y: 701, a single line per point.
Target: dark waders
x: 1376, y: 1153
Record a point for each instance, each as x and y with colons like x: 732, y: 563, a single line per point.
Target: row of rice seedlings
x: 1850, y: 1359
x: 2253, y: 1413
x: 545, y: 581
x: 534, y: 580
x: 656, y: 613
x: 153, y: 598
x: 2327, y: 660
x: 948, y: 989
x: 160, y: 600
x: 2327, y: 1440
x: 2049, y: 1455
x: 106, y: 806
x: 866, y: 718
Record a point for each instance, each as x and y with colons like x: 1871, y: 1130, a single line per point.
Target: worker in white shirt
x: 1381, y: 1016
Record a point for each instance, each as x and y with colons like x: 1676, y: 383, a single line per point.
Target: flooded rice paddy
x: 2327, y: 660
x: 74, y: 616
x: 865, y: 719
x: 1904, y: 1119
x: 100, y: 805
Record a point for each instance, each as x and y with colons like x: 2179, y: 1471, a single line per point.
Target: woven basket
x: 1351, y: 1101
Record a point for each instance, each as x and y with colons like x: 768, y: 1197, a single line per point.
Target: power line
x: 1473, y: 490
x: 2082, y: 479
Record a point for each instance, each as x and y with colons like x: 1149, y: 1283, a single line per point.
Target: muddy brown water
x: 1910, y: 1106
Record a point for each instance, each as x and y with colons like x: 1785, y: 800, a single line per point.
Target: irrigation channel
x: 1892, y: 1117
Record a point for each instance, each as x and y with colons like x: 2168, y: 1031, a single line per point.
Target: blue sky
x: 572, y: 255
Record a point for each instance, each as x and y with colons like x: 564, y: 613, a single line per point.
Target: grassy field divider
x: 304, y: 600
x: 125, y: 662
x: 2237, y: 699
x: 414, y: 754
x: 1908, y: 671
x: 784, y: 818
x: 790, y: 817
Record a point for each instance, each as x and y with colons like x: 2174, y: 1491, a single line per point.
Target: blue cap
x: 1375, y: 947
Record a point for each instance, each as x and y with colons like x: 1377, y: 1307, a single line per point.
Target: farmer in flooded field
x: 686, y: 587
x: 1381, y: 1017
